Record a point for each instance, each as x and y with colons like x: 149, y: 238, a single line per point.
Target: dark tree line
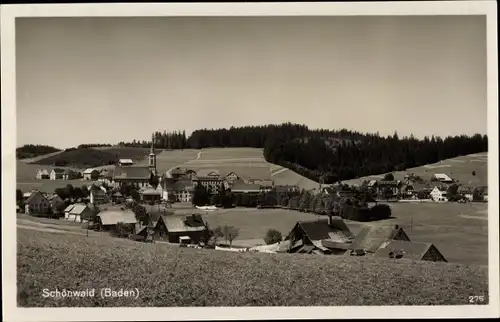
x: 94, y: 145
x: 329, y: 155
x: 31, y: 151
x: 167, y: 140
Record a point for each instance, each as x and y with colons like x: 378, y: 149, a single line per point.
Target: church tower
x: 152, y: 156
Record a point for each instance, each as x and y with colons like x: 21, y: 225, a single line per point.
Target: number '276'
x: 476, y: 298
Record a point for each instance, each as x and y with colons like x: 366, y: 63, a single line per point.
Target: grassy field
x: 459, y: 168
x: 166, y: 160
x: 171, y: 276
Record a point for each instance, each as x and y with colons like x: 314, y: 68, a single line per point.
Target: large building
x: 134, y: 175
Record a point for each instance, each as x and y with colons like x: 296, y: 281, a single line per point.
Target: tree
x: 135, y: 195
x: 452, y: 192
x: 154, y: 180
x: 140, y: 213
x: 474, y: 173
x: 273, y: 236
x: 231, y: 234
x: 19, y: 197
x: 216, y: 234
x: 389, y: 177
x: 200, y: 196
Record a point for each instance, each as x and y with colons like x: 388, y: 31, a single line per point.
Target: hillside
x: 29, y: 151
x: 459, y: 168
x: 80, y: 158
x: 171, y: 276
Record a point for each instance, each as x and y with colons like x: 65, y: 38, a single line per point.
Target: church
x: 137, y: 175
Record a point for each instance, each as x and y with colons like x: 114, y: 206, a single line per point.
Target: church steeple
x: 152, y: 156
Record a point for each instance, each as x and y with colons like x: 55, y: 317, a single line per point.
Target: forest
x: 28, y: 151
x: 326, y: 156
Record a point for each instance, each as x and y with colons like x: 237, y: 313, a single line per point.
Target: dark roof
x: 410, y: 250
x: 142, y: 173
x: 371, y: 238
x: 32, y: 196
x: 388, y: 183
x: 243, y: 187
x: 335, y: 245
x: 320, y: 229
x: 58, y: 170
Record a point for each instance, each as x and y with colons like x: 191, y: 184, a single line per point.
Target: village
x: 138, y: 203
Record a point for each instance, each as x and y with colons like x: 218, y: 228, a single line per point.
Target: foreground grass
x: 171, y: 276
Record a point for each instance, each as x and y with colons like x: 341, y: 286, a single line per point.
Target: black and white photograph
x: 250, y: 160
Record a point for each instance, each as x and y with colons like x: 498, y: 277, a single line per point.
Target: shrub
x: 273, y: 236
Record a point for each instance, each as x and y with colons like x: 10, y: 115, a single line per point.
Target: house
x: 326, y: 236
x: 56, y: 203
x: 174, y: 227
x: 110, y: 217
x: 106, y: 176
x: 466, y: 192
x: 125, y: 162
x: 70, y: 175
x: 90, y: 174
x: 36, y: 203
x: 439, y: 194
x: 42, y: 174
x: 97, y: 195
x: 245, y: 188
x: 138, y: 176
x: 407, y: 191
x: 388, y: 188
x: 181, y: 190
x: 78, y: 212
x: 370, y: 239
x: 444, y: 178
x: 210, y: 179
x: 177, y: 173
x: 408, y: 250
x: 117, y: 197
x: 150, y: 194
x: 231, y: 177
x: 56, y: 174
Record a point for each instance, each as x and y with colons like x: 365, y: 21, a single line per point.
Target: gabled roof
x: 89, y: 171
x: 43, y: 171
x: 112, y: 217
x: 443, y: 177
x: 207, y: 173
x: 141, y: 173
x: 175, y: 223
x: 409, y: 250
x: 77, y: 209
x: 33, y: 195
x: 371, y: 238
x: 320, y: 229
x: 388, y: 183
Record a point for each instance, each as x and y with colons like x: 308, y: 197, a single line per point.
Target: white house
x: 56, y: 174
x: 37, y: 203
x: 439, y: 194
x: 90, y: 174
x: 125, y: 162
x: 43, y: 174
x: 77, y: 212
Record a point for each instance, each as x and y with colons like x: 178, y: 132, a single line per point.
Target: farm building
x: 78, y: 212
x: 439, y: 194
x: 125, y: 162
x: 408, y: 250
x: 110, y: 217
x: 466, y: 192
x: 327, y: 236
x: 231, y: 177
x: 138, y: 176
x: 386, y: 188
x: 36, y: 203
x: 56, y: 202
x: 56, y: 174
x: 174, y: 227
x: 90, y: 174
x: 42, y: 174
x: 444, y: 178
x: 70, y: 175
x: 370, y: 239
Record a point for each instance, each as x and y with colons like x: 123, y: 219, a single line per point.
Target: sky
x: 105, y: 80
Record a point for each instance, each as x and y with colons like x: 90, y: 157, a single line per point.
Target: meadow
x: 26, y: 178
x: 459, y: 168
x: 166, y: 275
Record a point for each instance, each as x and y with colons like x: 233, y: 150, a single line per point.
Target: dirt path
x: 198, y: 156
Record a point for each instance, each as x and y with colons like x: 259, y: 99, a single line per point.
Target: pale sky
x: 105, y: 80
